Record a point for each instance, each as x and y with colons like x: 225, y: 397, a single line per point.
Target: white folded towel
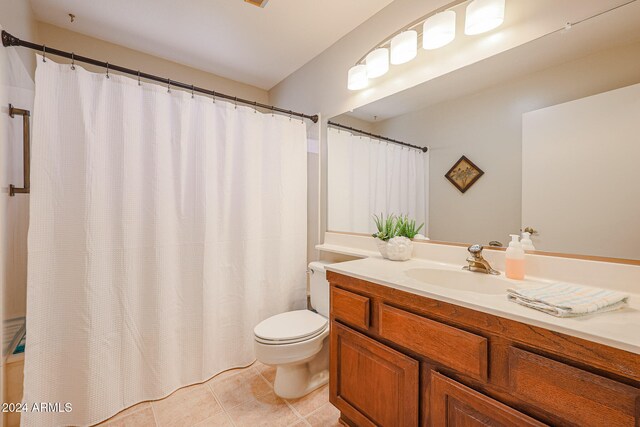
x: 568, y: 300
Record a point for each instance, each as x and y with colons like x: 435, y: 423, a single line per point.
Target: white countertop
x: 619, y: 329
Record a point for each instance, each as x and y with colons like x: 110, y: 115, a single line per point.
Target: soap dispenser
x: 526, y: 242
x: 515, y: 259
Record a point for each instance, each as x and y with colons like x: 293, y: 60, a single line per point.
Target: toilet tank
x: 319, y: 287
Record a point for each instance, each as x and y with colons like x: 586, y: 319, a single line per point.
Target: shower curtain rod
x: 10, y: 40
x: 373, y: 135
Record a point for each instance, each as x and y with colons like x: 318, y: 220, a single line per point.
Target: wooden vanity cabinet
x: 398, y: 359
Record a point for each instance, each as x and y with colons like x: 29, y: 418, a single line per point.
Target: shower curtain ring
x: 168, y: 85
x: 107, y: 70
x: 44, y: 53
x: 290, y: 113
x: 213, y: 96
x: 192, y: 90
x: 255, y: 107
x: 235, y: 102
x: 139, y: 82
x: 73, y: 61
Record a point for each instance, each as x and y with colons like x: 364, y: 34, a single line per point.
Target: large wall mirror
x: 552, y: 128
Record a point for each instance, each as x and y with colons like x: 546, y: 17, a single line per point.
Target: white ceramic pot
x: 399, y: 249
x: 382, y: 247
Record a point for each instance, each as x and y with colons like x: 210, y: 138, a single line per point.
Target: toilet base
x: 299, y: 379
x: 295, y: 381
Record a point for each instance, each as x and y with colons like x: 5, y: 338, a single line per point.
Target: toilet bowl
x: 297, y: 343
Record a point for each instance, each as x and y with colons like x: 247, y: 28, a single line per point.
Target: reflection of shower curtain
x: 163, y: 228
x: 367, y: 176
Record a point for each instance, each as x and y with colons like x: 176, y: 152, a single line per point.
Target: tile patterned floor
x: 235, y: 398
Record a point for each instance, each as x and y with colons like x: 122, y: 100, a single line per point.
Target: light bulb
x: 483, y: 16
x: 439, y: 30
x: 404, y: 47
x: 357, y: 77
x: 377, y: 62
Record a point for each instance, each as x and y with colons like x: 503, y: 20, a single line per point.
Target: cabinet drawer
x: 454, y: 348
x: 580, y: 397
x: 454, y: 404
x: 372, y: 384
x: 351, y: 308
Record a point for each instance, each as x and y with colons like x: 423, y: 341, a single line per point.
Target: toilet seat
x: 290, y: 327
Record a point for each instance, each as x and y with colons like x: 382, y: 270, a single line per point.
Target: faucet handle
x: 475, y: 250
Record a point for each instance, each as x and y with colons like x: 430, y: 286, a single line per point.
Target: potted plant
x: 394, y: 236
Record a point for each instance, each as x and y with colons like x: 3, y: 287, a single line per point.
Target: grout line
x: 224, y: 410
x: 246, y: 400
x: 263, y: 378
x: 318, y: 408
x: 295, y: 411
x: 153, y: 412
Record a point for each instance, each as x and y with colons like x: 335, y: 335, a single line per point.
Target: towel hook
x: 44, y: 53
x: 107, y: 70
x: 73, y: 61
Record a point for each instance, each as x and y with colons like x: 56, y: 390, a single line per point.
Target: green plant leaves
x: 392, y: 226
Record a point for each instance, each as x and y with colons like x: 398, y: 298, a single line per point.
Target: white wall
x: 487, y: 128
x: 584, y: 198
x: 88, y: 46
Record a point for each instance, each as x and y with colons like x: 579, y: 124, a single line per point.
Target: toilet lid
x: 292, y: 325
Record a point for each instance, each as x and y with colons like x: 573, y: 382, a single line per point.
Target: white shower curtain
x: 368, y: 176
x: 163, y: 229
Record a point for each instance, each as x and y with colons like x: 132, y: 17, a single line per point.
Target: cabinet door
x: 372, y: 384
x: 456, y: 405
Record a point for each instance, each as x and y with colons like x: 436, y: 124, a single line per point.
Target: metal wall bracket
x: 26, y: 156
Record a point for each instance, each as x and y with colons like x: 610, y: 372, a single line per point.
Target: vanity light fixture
x: 358, y: 77
x: 439, y: 30
x: 377, y: 62
x: 404, y: 47
x: 483, y: 16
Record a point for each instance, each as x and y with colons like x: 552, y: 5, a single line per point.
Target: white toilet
x: 297, y: 342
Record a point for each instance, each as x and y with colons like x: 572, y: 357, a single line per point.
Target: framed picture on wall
x: 463, y: 174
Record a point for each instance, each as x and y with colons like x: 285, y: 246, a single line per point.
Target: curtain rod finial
x: 9, y: 40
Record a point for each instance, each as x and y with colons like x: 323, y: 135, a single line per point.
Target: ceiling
x: 616, y: 28
x: 230, y: 38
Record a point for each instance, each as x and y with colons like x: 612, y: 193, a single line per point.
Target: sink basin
x: 461, y: 280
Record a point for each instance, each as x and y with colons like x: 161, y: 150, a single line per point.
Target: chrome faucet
x: 476, y: 261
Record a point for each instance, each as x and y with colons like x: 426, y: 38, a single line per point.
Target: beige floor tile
x: 327, y: 416
x: 269, y: 372
x: 186, y: 407
x: 239, y: 388
x: 267, y: 410
x: 299, y: 423
x: 218, y: 420
x: 312, y: 401
x: 140, y: 418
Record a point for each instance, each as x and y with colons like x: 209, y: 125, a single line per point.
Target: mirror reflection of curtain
x: 367, y: 176
x: 163, y: 229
